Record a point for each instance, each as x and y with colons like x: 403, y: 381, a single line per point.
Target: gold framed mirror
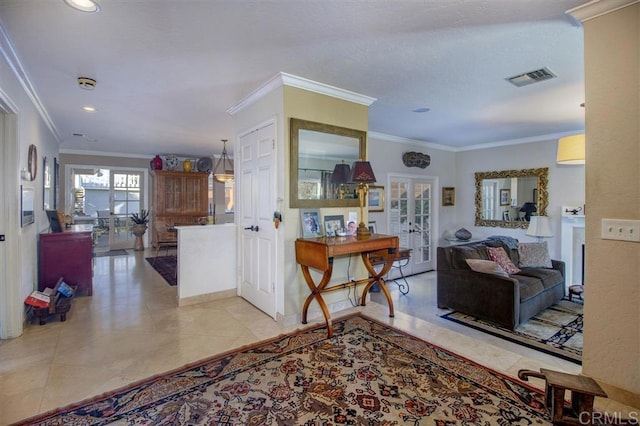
x: 508, y: 198
x: 316, y: 149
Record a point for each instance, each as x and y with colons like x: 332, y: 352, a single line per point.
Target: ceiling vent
x: 86, y: 83
x: 531, y: 77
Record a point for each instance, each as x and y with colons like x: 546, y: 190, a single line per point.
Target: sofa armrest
x: 487, y: 296
x: 558, y: 265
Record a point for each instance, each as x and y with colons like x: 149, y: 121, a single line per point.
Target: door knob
x: 253, y: 228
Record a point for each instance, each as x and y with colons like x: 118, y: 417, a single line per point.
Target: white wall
x: 20, y: 246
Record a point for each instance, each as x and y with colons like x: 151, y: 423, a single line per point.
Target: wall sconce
x: 362, y: 174
x: 340, y: 176
x: 571, y: 150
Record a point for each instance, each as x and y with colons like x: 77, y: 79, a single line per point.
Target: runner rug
x: 556, y: 330
x: 165, y: 266
x: 367, y: 373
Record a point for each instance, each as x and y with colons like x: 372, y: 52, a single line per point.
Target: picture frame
x: 27, y: 196
x: 375, y: 200
x: 333, y: 224
x: 506, y: 216
x: 372, y: 227
x: 448, y: 196
x: 310, y: 223
x: 505, y: 196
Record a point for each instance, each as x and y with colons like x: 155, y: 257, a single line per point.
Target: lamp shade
x: 571, y: 150
x: 528, y: 208
x: 362, y: 173
x: 539, y: 227
x: 341, y: 173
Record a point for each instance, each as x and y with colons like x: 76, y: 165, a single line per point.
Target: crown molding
x: 9, y: 54
x: 596, y: 8
x: 284, y: 79
x: 400, y: 140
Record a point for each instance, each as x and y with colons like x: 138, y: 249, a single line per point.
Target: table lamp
x: 539, y: 227
x: 362, y: 174
x: 340, y: 176
x: 528, y: 208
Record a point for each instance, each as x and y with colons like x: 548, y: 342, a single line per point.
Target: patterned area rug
x: 367, y: 373
x: 165, y: 266
x: 557, y: 330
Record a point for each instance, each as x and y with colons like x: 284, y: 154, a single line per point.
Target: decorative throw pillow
x: 486, y: 266
x: 498, y: 255
x: 534, y: 255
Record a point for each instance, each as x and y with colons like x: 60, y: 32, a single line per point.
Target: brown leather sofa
x: 504, y: 300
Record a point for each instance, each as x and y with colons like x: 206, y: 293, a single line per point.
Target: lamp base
x: 363, y: 230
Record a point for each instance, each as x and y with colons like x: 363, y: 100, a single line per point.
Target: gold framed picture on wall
x: 448, y: 196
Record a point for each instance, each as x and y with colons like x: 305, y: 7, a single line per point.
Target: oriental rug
x: 556, y: 330
x: 166, y: 266
x: 367, y: 373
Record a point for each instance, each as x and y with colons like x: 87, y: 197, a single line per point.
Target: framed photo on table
x: 310, y: 220
x: 333, y: 224
x: 376, y: 198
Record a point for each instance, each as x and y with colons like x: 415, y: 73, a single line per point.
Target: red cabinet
x: 67, y: 254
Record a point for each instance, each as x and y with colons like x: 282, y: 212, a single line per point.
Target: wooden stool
x: 583, y: 392
x: 576, y: 290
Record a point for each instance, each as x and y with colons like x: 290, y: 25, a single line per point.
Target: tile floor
x: 131, y: 328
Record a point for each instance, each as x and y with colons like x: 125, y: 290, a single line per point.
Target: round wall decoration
x: 33, y: 162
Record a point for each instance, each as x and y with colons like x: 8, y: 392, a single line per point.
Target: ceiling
x: 167, y: 70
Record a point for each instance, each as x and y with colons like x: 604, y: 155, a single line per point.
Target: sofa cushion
x: 529, y: 286
x: 486, y: 267
x: 534, y: 255
x: 459, y: 255
x: 548, y: 277
x: 499, y: 255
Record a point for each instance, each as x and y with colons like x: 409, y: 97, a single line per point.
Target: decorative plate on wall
x: 172, y: 162
x: 204, y: 164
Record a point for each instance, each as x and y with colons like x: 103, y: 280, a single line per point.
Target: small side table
x: 576, y: 290
x: 583, y: 392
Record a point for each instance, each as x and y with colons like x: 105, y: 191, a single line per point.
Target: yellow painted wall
x: 612, y: 287
x: 306, y: 105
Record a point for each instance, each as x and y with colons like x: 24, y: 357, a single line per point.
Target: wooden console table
x: 318, y: 253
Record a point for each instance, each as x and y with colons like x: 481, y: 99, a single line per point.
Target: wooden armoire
x: 177, y: 198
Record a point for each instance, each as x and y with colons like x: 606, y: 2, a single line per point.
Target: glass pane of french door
x: 125, y: 198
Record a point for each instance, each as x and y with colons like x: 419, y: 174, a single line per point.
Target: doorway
x: 105, y: 197
x: 411, y: 217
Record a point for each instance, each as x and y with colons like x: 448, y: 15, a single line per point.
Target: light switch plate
x: 621, y: 230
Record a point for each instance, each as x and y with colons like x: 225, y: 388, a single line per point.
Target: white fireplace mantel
x: 571, y: 242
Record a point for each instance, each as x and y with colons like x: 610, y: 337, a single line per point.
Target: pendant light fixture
x: 221, y: 172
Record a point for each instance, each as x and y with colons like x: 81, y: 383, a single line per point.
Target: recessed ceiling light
x: 83, y: 5
x: 89, y: 108
x: 421, y: 109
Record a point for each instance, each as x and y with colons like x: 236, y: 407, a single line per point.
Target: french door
x: 106, y: 197
x: 410, y: 218
x: 125, y: 198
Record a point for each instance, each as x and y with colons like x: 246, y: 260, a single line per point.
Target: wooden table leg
x: 316, y: 293
x: 389, y: 257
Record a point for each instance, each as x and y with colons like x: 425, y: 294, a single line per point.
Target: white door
x: 410, y: 217
x: 256, y: 191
